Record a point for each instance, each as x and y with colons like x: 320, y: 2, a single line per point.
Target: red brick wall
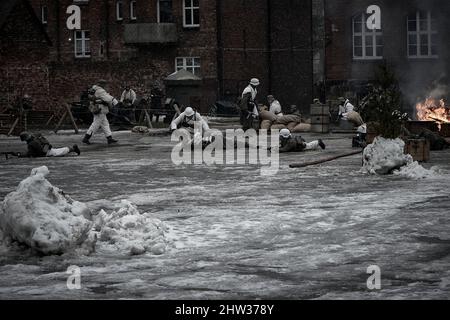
x: 23, y: 55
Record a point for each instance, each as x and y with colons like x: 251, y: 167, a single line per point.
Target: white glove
x: 197, y: 138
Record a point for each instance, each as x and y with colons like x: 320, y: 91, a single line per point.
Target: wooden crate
x: 419, y: 149
x: 320, y: 123
x: 416, y: 126
x: 319, y: 109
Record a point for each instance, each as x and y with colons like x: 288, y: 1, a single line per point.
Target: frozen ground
x: 305, y: 233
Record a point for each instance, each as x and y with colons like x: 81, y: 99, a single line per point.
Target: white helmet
x: 254, y: 82
x: 189, y: 112
x: 285, y: 133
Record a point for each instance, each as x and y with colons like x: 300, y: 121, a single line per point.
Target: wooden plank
x: 149, y: 120
x: 60, y: 121
x: 310, y: 163
x: 69, y: 111
x: 13, y: 126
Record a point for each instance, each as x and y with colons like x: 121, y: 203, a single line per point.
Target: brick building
x: 413, y: 40
x: 24, y: 51
x: 141, y: 42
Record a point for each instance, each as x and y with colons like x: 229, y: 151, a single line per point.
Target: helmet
x: 101, y: 82
x: 285, y: 133
x: 25, y: 136
x: 189, y: 112
x: 341, y: 99
x: 254, y: 82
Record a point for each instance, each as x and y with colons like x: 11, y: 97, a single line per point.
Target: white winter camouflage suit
x: 100, y: 120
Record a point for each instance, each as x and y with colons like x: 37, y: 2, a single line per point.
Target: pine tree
x: 382, y: 107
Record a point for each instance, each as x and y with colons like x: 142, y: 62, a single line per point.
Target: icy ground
x: 305, y: 233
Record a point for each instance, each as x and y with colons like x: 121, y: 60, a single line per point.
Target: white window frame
x: 158, y: 12
x: 44, y: 18
x: 429, y: 33
x: 84, y: 40
x: 133, y: 10
x: 119, y: 10
x: 191, y: 68
x: 191, y: 9
x: 374, y: 33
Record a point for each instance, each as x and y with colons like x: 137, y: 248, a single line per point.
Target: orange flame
x: 433, y: 110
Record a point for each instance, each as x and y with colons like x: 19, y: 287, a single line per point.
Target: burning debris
x: 433, y: 110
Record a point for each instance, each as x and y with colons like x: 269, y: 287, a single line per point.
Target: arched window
x: 367, y: 44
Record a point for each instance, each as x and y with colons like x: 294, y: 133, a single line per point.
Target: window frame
x: 133, y: 16
x: 44, y: 12
x: 363, y: 34
x: 84, y: 39
x: 191, y: 9
x: 158, y: 12
x: 119, y: 10
x: 186, y: 67
x: 418, y: 33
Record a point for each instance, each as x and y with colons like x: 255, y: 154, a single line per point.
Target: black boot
x: 321, y: 144
x: 86, y: 138
x: 111, y: 140
x: 75, y: 149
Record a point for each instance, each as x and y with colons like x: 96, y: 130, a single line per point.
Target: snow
x: 414, y: 170
x: 42, y: 217
x: 128, y: 231
x: 384, y: 155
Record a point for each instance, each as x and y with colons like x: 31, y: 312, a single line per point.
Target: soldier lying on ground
x: 289, y: 143
x: 38, y: 146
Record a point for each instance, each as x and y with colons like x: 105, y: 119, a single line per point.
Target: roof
x: 183, y: 75
x: 7, y: 6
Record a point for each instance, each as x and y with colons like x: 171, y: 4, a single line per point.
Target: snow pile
x: 127, y: 230
x: 414, y: 170
x: 42, y: 217
x: 385, y: 155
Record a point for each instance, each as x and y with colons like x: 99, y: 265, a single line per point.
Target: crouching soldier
x: 100, y: 102
x: 187, y: 119
x: 288, y: 143
x: 38, y: 146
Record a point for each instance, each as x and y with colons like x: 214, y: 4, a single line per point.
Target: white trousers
x: 58, y: 152
x: 313, y: 145
x: 100, y: 121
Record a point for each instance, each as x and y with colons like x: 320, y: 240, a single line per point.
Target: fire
x: 433, y: 110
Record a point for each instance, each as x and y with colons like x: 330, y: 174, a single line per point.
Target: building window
x: 191, y: 16
x: 119, y: 10
x: 367, y: 44
x: 82, y: 44
x: 165, y: 11
x: 422, y: 35
x: 44, y: 14
x: 133, y: 10
x: 191, y: 64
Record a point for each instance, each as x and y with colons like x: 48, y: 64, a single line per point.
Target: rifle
x: 12, y: 153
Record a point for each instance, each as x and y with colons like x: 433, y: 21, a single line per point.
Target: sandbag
x: 288, y: 118
x: 278, y: 126
x: 267, y: 115
x: 302, y: 127
x: 265, y: 124
x: 355, y: 118
x: 291, y: 125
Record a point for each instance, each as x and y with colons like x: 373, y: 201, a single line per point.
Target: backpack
x: 45, y: 145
